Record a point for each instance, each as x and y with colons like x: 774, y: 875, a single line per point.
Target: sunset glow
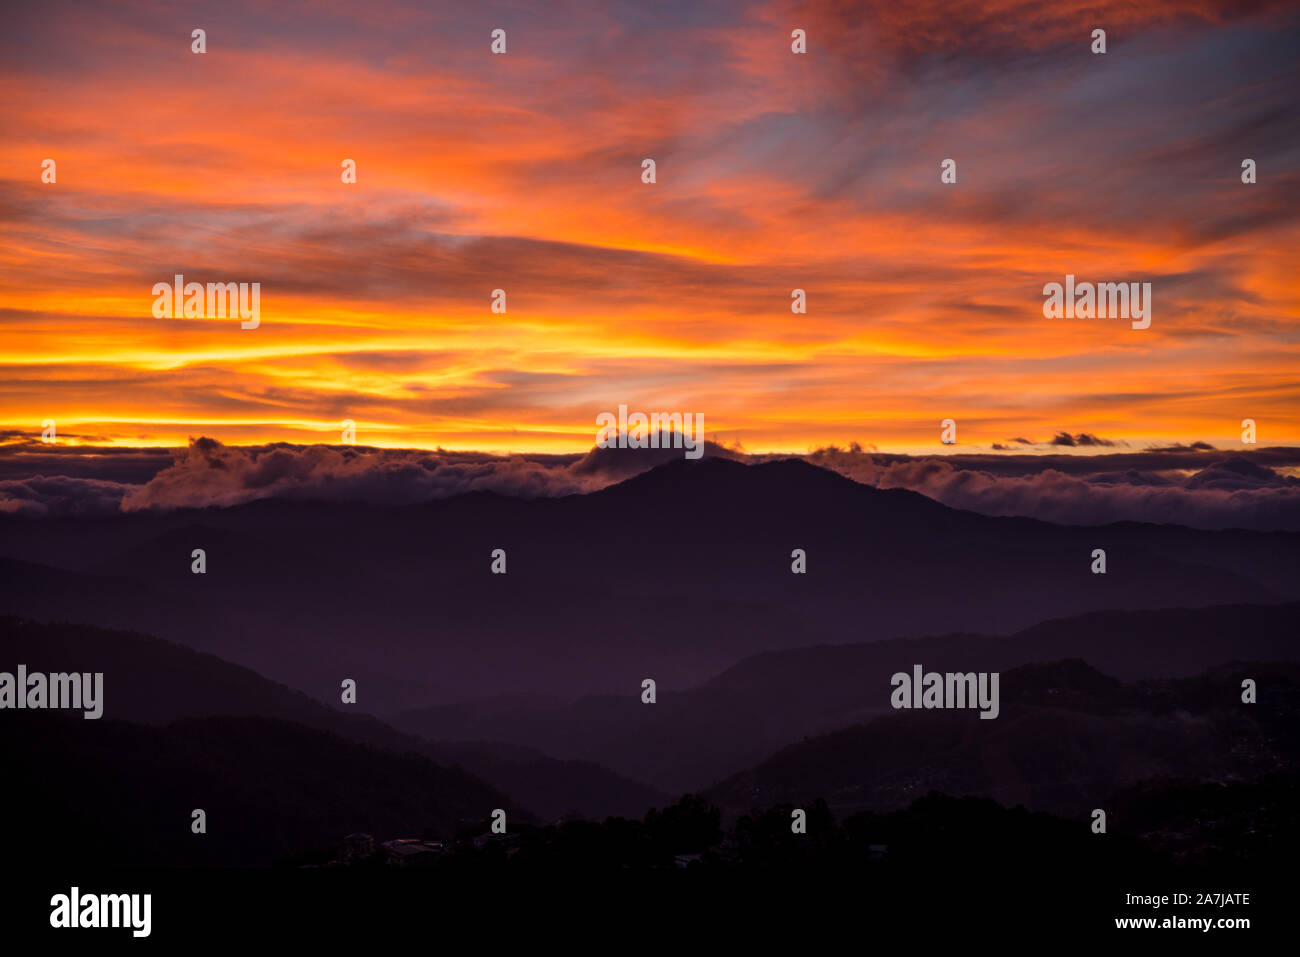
x: 775, y: 172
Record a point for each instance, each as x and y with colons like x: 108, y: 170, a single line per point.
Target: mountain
x: 1068, y: 738
x: 690, y: 739
x: 550, y: 787
x: 151, y: 681
x: 674, y: 574
x: 95, y: 792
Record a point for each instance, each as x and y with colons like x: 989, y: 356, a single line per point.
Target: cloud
x: 1239, y: 473
x: 210, y: 473
x: 1082, y: 439
x: 1185, y: 486
x: 1179, y: 447
x: 1237, y: 492
x: 775, y: 171
x: 58, y: 495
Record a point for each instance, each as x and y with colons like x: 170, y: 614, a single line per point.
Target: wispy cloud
x: 775, y: 172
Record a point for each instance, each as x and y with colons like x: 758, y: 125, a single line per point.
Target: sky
x: 774, y: 171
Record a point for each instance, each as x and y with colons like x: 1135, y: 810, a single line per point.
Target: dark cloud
x: 1193, y: 447
x: 1239, y: 473
x: 58, y: 495
x: 29, y: 457
x: 1082, y: 439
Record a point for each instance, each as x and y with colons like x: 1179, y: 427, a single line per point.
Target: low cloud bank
x: 1163, y: 487
x: 1185, y: 485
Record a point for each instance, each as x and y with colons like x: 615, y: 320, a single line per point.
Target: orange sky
x: 775, y: 171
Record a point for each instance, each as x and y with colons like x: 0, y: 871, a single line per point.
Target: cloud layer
x: 1194, y: 487
x: 775, y: 172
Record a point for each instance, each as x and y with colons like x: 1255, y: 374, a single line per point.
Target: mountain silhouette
x: 1067, y: 739
x: 154, y: 682
x: 690, y: 739
x: 674, y: 574
x: 110, y: 791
